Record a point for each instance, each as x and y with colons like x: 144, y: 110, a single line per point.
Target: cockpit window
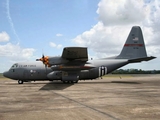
x: 15, y: 65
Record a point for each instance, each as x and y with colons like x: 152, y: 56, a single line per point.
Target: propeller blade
x: 45, y: 60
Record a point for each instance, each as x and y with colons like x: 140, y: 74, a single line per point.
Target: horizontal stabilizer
x: 141, y: 59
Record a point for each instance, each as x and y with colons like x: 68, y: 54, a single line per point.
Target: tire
x: 64, y: 82
x: 76, y: 81
x: 20, y: 81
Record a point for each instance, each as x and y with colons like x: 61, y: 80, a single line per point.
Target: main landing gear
x: 70, y: 81
x: 20, y: 81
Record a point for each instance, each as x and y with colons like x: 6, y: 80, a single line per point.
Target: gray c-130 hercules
x: 74, y: 65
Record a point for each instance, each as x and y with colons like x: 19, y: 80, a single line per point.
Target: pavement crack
x: 104, y: 113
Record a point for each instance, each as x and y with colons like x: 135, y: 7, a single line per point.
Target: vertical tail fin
x: 134, y: 47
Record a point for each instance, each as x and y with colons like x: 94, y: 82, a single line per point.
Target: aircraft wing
x: 75, y: 53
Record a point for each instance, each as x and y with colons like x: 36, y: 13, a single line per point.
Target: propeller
x: 45, y: 60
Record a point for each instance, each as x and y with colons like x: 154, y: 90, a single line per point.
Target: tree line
x: 135, y: 71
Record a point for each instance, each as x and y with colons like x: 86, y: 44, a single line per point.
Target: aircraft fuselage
x: 73, y: 64
x: 35, y: 71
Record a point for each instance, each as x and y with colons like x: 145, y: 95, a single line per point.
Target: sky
x: 30, y: 28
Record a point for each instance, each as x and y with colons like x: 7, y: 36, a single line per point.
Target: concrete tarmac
x: 114, y: 97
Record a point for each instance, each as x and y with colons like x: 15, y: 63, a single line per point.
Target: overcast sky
x: 29, y: 28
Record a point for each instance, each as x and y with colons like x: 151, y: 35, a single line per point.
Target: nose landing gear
x: 20, y: 81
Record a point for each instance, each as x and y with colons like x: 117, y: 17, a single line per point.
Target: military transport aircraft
x: 74, y: 65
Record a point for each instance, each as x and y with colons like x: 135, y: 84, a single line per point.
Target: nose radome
x: 5, y: 74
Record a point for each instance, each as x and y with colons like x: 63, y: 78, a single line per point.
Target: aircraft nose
x: 6, y: 74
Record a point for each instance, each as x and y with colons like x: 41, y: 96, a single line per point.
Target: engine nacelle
x: 49, y: 61
x: 55, y: 75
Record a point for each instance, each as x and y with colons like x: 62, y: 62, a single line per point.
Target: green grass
x: 1, y: 75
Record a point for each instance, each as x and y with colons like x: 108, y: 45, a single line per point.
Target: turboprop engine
x: 49, y: 61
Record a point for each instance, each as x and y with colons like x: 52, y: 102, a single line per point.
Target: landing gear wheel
x: 76, y: 81
x: 20, y: 81
x: 68, y: 82
x: 64, y: 82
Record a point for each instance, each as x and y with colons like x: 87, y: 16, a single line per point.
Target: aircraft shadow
x: 56, y: 86
x: 125, y: 82
x: 107, y: 82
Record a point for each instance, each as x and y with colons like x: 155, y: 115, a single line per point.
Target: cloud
x: 121, y: 12
x: 10, y: 54
x: 15, y: 52
x: 59, y: 46
x: 4, y: 37
x: 115, y: 21
x: 59, y: 35
x: 52, y: 44
x: 101, y: 39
